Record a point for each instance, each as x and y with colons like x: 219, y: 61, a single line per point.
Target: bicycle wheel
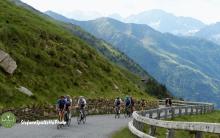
x: 69, y: 119
x: 84, y: 119
x: 78, y: 119
x: 125, y: 113
x: 58, y: 126
x: 116, y: 113
x: 68, y: 122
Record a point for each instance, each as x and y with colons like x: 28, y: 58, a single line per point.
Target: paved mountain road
x: 99, y: 126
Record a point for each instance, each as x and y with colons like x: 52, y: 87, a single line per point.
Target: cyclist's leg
x: 116, y: 109
x: 59, y: 114
x: 62, y: 114
x: 84, y: 111
x: 69, y: 112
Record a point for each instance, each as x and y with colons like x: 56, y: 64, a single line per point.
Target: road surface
x: 99, y: 126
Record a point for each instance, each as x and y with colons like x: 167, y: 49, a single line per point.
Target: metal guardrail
x: 152, y: 118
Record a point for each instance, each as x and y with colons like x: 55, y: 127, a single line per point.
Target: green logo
x: 7, y: 120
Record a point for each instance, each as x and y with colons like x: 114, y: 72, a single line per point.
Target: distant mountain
x: 167, y: 22
x: 103, y: 47
x: 116, y: 17
x: 83, y: 16
x: 210, y: 32
x: 114, y: 55
x: 190, y: 67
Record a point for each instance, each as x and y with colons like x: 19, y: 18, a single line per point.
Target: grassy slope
x: 48, y: 57
x: 213, y: 117
x: 123, y: 133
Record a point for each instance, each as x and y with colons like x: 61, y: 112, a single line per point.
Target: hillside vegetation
x: 51, y: 62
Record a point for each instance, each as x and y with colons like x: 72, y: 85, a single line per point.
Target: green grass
x: 123, y: 133
x: 213, y: 117
x: 48, y: 58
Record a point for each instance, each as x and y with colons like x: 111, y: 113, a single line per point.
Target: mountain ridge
x: 171, y: 59
x: 167, y: 22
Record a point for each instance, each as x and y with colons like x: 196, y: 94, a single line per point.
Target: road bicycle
x: 60, y: 124
x: 67, y: 118
x: 117, y: 112
x: 127, y: 112
x: 81, y: 117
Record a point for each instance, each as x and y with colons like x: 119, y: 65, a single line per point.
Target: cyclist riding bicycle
x: 68, y: 103
x: 61, y: 105
x: 82, y: 104
x: 117, y: 104
x: 132, y: 105
x: 68, y: 106
x: 127, y: 105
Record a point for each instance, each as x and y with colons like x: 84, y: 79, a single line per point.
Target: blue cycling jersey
x: 61, y: 103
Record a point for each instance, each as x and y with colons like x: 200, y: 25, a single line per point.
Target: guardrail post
x: 186, y: 110
x: 172, y: 112
x: 170, y: 133
x: 205, y: 109
x: 198, y: 134
x: 158, y: 113
x: 152, y: 129
x: 165, y: 112
x: 197, y: 110
x: 208, y: 109
x: 191, y: 111
x: 180, y: 111
x: 200, y: 109
x: 138, y: 125
x: 150, y: 115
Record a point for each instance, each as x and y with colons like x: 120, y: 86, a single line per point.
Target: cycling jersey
x: 118, y: 102
x: 68, y: 102
x: 61, y: 103
x: 82, y: 102
x: 127, y: 102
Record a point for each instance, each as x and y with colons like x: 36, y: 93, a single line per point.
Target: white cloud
x: 205, y: 10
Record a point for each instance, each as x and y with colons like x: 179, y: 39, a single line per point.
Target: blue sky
x: 207, y: 11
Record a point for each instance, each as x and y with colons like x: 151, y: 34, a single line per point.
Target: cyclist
x: 82, y: 104
x: 170, y: 102
x: 166, y: 102
x: 117, y: 104
x: 68, y: 105
x: 127, y: 105
x: 61, y: 105
x: 142, y: 104
x: 132, y: 104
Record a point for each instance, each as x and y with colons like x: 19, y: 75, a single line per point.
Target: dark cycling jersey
x: 61, y: 103
x: 118, y: 102
x: 127, y: 101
